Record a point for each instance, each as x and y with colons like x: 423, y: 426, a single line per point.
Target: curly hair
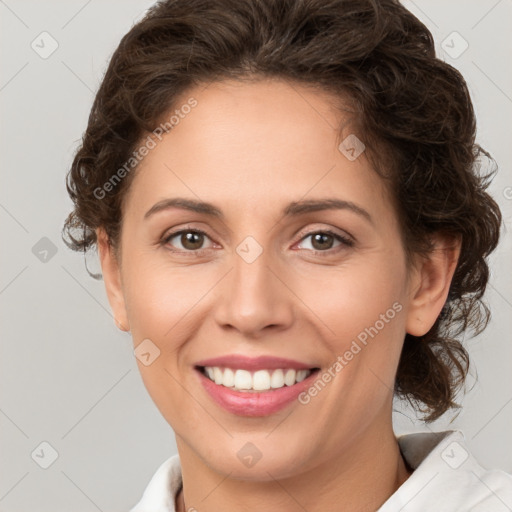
x: 413, y: 110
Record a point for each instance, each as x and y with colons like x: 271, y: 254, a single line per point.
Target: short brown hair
x: 409, y: 105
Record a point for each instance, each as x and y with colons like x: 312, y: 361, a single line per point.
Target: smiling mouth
x: 257, y: 381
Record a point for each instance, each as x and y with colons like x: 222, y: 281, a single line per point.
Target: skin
x: 250, y: 149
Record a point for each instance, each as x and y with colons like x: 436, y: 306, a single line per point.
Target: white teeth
x: 243, y: 379
x: 228, y: 378
x: 217, y: 375
x: 261, y: 380
x: 289, y: 377
x: 277, y: 379
x: 301, y: 375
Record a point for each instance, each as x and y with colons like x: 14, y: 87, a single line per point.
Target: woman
x: 291, y: 224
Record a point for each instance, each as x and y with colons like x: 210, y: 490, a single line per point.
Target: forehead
x: 256, y: 144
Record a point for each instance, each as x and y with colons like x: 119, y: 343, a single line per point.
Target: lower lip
x: 260, y: 403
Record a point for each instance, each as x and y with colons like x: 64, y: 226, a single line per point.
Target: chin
x: 255, y: 457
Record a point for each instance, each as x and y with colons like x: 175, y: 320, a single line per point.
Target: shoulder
x: 448, y: 478
x: 160, y: 493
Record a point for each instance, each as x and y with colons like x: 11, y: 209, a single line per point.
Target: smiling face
x: 259, y: 274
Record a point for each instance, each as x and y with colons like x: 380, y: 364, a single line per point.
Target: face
x: 263, y: 282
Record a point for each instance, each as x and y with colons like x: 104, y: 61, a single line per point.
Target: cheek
x: 160, y: 298
x: 161, y: 304
x: 364, y: 311
x: 350, y: 299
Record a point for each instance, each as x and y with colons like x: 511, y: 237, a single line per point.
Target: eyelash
x: 345, y: 241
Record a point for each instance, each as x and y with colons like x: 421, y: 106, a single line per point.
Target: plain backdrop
x: 68, y: 376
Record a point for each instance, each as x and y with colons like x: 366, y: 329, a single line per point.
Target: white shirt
x: 446, y: 478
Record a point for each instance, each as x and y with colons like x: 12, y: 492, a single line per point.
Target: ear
x: 112, y: 278
x: 431, y: 283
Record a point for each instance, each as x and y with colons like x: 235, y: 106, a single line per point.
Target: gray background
x: 68, y: 376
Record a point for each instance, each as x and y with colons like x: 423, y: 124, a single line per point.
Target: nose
x: 254, y: 297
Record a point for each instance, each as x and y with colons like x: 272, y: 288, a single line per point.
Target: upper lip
x: 238, y: 361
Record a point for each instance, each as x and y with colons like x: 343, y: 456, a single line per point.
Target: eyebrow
x: 293, y: 209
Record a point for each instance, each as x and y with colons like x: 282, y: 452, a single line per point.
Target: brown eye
x: 323, y: 241
x: 190, y: 240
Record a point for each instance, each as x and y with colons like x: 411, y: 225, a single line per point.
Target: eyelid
x: 344, y: 238
x: 165, y: 240
x: 344, y: 243
x: 325, y: 229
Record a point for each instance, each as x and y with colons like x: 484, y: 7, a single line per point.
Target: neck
x: 362, y: 478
